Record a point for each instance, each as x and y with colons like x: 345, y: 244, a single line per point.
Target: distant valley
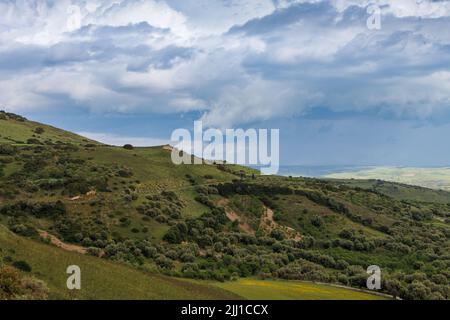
x: 437, y: 178
x: 433, y: 178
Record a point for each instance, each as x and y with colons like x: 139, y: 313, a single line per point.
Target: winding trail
x: 60, y: 244
x: 233, y: 216
x: 267, y: 222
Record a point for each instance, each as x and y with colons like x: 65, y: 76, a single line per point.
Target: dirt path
x: 268, y: 224
x: 55, y: 241
x: 267, y: 219
x: 233, y: 216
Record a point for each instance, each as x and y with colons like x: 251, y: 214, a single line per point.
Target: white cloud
x: 402, y: 8
x: 155, y: 13
x: 214, y: 17
x: 279, y: 59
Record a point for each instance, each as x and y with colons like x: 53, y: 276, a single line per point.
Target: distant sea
x: 318, y: 171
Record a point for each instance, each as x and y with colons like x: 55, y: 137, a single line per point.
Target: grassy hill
x: 17, y: 130
x: 100, y: 279
x: 103, y: 279
x: 132, y: 211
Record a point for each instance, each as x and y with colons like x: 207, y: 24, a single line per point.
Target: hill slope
x: 15, y: 129
x: 210, y: 222
x: 100, y: 279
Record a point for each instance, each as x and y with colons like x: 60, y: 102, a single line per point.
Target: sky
x: 341, y: 91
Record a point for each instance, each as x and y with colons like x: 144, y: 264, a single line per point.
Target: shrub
x: 177, y: 233
x: 277, y: 234
x: 22, y: 265
x: 125, y: 172
x: 346, y: 234
x: 34, y: 289
x: 39, y: 130
x: 421, y: 216
x: 204, y: 200
x: 33, y: 141
x: 9, y: 282
x: 9, y: 115
x: 13, y: 286
x: 21, y: 229
x: 93, y: 251
x: 164, y: 263
x: 128, y: 147
x: 39, y: 210
x: 6, y: 149
x: 317, y: 221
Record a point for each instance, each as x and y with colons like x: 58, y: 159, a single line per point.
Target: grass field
x: 292, y: 290
x: 16, y: 132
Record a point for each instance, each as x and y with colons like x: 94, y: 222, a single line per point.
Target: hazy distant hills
x: 434, y: 178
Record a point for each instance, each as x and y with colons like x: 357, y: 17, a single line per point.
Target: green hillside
x: 100, y: 279
x: 15, y: 129
x: 132, y: 211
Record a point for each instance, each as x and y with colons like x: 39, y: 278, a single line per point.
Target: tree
x: 22, y: 265
x: 417, y: 291
x: 128, y: 147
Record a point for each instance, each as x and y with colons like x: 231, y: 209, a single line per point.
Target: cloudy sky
x: 134, y: 70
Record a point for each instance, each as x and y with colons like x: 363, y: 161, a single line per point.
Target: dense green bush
x: 22, y: 265
x: 39, y: 130
x: 37, y: 209
x: 7, y: 149
x: 125, y: 172
x: 87, y: 229
x: 33, y: 141
x: 317, y: 221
